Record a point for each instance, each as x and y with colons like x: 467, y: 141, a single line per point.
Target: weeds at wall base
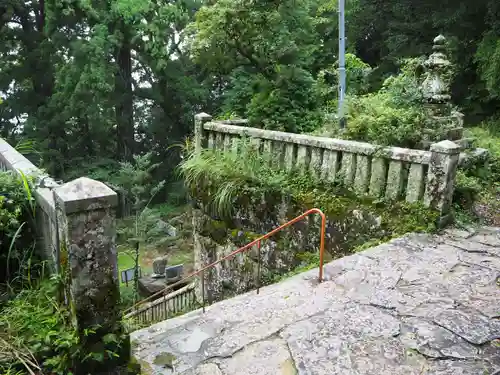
x: 39, y: 335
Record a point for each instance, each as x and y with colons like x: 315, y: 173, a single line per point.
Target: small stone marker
x: 159, y: 265
x: 167, y: 228
x: 174, y: 273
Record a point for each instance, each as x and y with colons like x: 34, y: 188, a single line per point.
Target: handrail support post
x: 258, y: 267
x: 203, y: 289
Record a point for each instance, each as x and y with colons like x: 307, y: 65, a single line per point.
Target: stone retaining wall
x: 392, y: 173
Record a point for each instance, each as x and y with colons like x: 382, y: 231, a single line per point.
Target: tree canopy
x: 89, y: 81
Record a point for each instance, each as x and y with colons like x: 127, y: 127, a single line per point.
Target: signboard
x: 128, y: 275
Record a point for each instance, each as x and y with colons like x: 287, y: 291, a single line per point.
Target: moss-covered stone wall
x: 352, y: 223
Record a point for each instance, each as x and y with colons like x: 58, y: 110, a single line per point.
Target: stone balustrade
x: 390, y: 173
x: 47, y: 242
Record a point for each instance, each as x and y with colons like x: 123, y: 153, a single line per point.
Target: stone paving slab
x: 417, y: 305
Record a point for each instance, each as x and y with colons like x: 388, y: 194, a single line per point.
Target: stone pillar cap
x: 203, y: 116
x: 445, y: 147
x: 84, y: 194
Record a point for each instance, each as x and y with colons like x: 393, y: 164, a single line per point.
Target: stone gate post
x: 199, y: 133
x: 87, y: 229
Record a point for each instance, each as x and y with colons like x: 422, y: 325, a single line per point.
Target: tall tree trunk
x: 124, y: 110
x: 87, y: 136
x: 37, y: 43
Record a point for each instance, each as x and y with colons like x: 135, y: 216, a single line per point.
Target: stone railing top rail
x: 394, y: 153
x: 13, y: 160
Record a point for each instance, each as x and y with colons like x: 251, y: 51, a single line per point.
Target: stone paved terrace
x: 417, y: 305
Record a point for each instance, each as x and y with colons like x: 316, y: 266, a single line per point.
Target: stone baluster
x: 302, y: 158
x: 394, y: 180
x: 378, y: 177
x: 348, y: 168
x: 415, y: 186
x: 315, y: 164
x: 330, y: 165
x: 362, y: 176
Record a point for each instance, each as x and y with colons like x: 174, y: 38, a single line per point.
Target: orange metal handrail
x: 245, y: 248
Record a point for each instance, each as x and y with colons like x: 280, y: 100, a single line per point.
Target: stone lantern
x: 446, y: 122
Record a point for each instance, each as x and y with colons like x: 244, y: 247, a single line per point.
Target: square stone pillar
x: 200, y: 139
x: 87, y: 227
x: 441, y: 178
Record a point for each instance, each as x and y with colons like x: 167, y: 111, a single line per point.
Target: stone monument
x: 446, y: 121
x: 159, y: 266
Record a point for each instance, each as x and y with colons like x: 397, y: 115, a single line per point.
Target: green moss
x: 134, y: 367
x: 248, y: 265
x: 217, y: 230
x: 241, y: 237
x: 165, y: 359
x: 307, y: 257
x: 145, y: 368
x: 369, y: 244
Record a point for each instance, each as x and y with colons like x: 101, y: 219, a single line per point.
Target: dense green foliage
x: 124, y: 77
x: 16, y: 225
x: 478, y: 189
x: 265, y: 51
x: 115, y: 81
x: 36, y: 334
x: 394, y: 115
x: 33, y: 328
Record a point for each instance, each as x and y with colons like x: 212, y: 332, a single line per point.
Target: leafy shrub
x: 270, y: 80
x: 477, y: 187
x: 35, y: 332
x: 287, y: 101
x: 375, y: 118
x: 357, y: 74
x: 16, y: 219
x: 466, y: 189
x: 37, y: 335
x: 488, y: 136
x: 392, y: 116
